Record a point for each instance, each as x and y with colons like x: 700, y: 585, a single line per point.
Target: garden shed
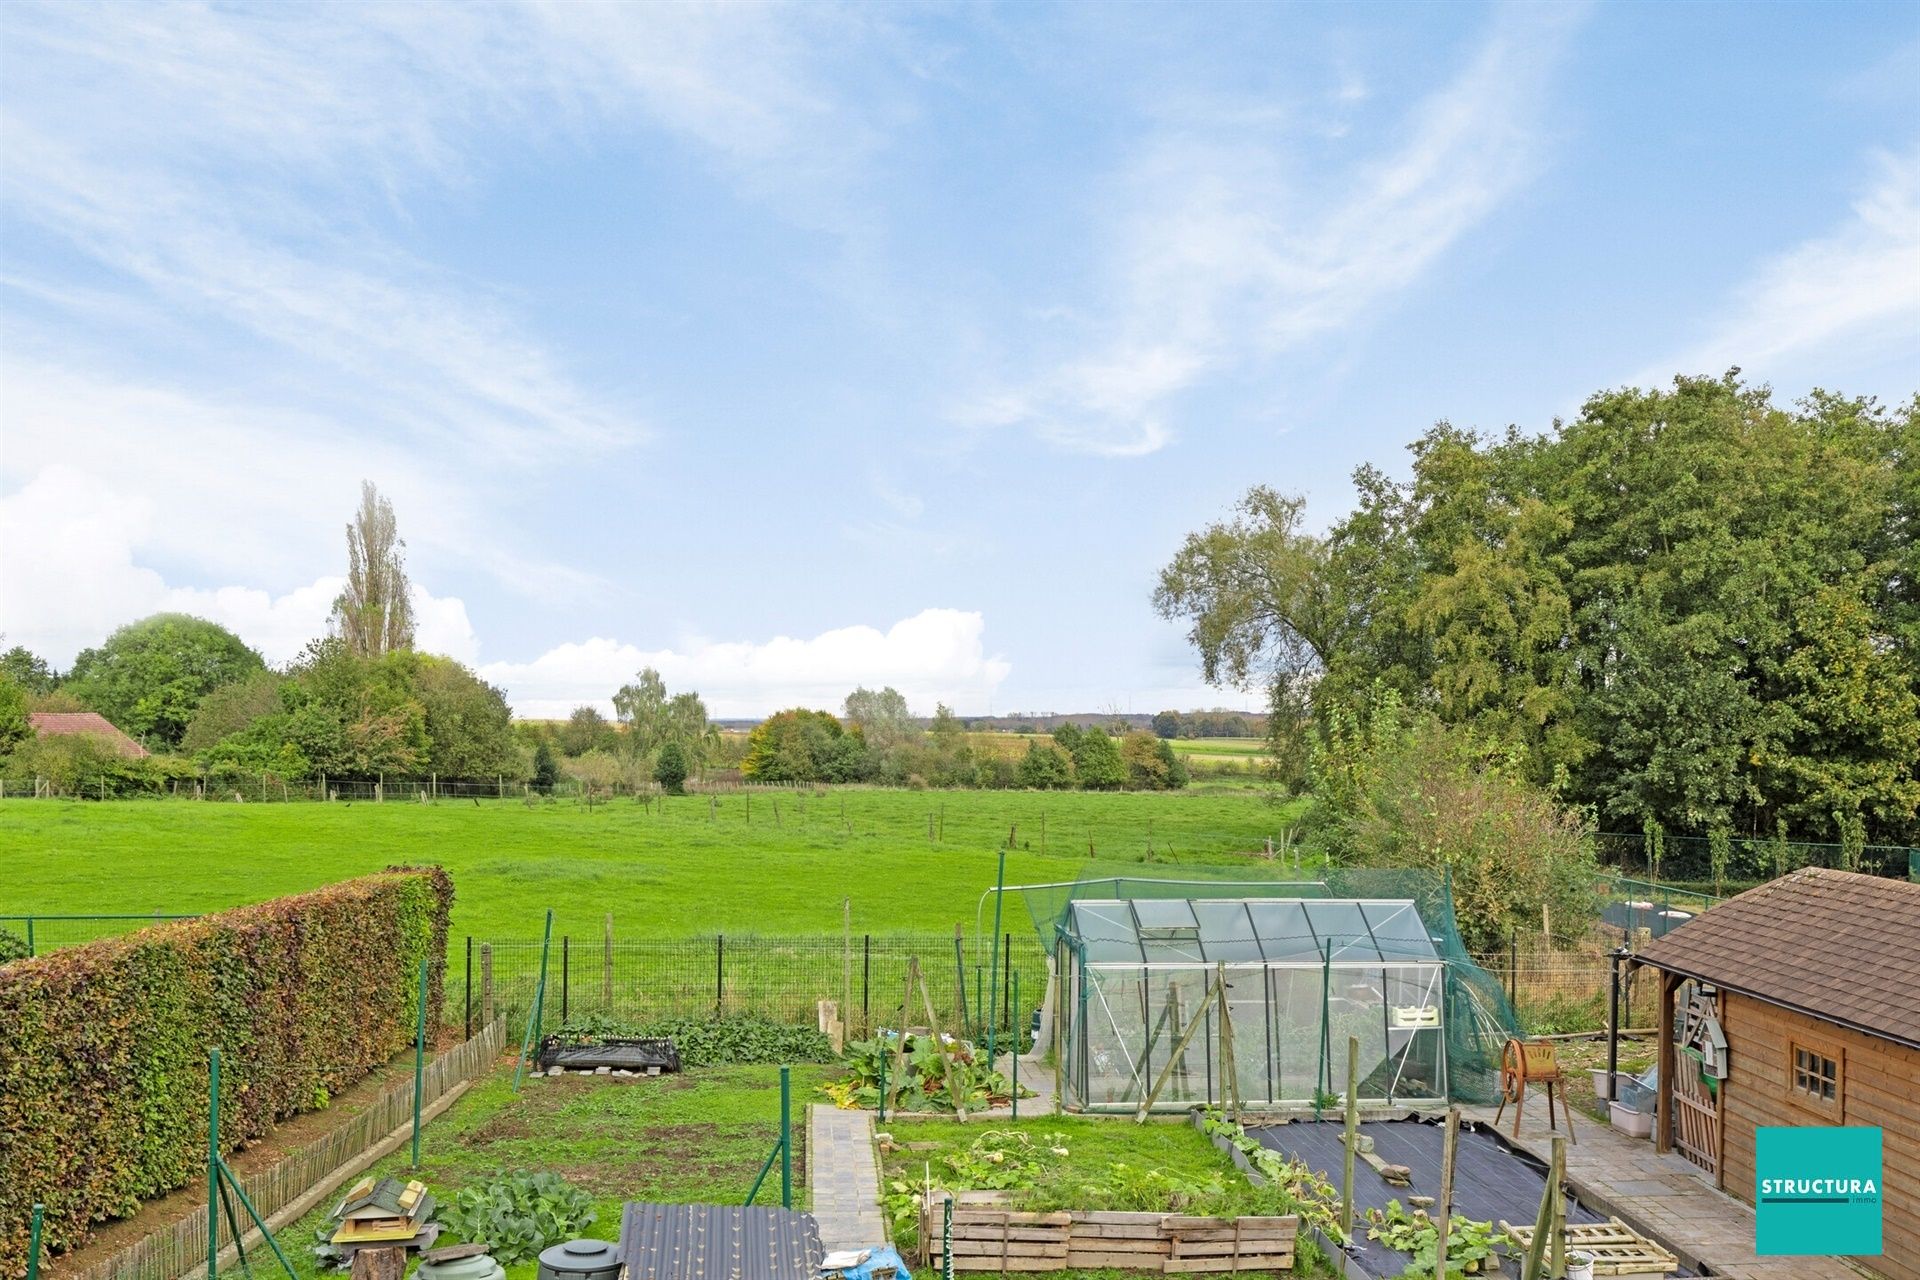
x: 1796, y: 1004
x: 1301, y: 974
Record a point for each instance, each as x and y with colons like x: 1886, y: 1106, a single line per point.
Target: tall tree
x: 642, y: 708
x: 28, y: 670
x: 374, y: 613
x: 149, y: 677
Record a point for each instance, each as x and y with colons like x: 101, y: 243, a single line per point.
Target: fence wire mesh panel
x: 782, y: 979
x: 44, y: 933
x: 1725, y: 866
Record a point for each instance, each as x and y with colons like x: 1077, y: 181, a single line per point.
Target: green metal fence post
x: 419, y: 1061
x: 33, y: 1241
x: 993, y: 985
x: 1019, y: 1034
x: 30, y: 950
x: 539, y: 1003
x: 786, y: 1138
x: 213, y: 1165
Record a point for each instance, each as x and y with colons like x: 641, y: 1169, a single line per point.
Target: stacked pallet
x: 992, y: 1238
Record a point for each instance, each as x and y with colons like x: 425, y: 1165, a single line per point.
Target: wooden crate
x: 989, y: 1237
x: 1617, y: 1249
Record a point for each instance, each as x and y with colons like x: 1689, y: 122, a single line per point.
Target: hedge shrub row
x: 103, y: 1048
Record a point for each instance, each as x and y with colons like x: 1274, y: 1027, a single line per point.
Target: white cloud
x: 1226, y: 254
x: 1854, y: 292
x: 71, y: 576
x: 936, y: 655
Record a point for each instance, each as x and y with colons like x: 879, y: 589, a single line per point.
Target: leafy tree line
x: 1203, y: 724
x: 876, y: 740
x: 1690, y: 610
x: 356, y: 703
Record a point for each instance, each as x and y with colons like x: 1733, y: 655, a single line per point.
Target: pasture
x: 760, y: 862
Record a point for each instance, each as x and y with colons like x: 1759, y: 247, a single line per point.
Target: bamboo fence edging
x: 291, y: 1188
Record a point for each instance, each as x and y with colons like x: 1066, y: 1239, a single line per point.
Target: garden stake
x: 419, y: 1061
x: 33, y: 1240
x: 883, y: 1084
x: 1543, y: 1220
x: 1443, y: 1220
x: 539, y: 1002
x: 993, y: 986
x: 1353, y: 1137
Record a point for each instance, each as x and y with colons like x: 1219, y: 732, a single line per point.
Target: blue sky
x: 790, y: 347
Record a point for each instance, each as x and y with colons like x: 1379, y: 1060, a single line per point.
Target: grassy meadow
x: 769, y: 863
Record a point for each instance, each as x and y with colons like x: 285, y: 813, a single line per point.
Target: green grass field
x: 774, y: 863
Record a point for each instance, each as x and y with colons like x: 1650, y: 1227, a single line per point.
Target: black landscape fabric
x: 1491, y: 1181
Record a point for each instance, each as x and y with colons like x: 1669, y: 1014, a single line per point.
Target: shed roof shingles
x: 1832, y: 944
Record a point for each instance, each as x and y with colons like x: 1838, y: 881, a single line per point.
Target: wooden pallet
x: 989, y: 1238
x: 1617, y: 1249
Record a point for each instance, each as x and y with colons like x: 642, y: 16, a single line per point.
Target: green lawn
x: 696, y: 1137
x: 771, y: 864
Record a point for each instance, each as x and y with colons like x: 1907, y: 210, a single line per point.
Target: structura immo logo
x: 1817, y: 1190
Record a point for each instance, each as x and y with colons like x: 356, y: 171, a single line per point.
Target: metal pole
x: 883, y: 1084
x: 213, y: 1165
x: 566, y: 974
x: 33, y: 1241
x: 30, y: 950
x: 419, y: 1061
x: 866, y: 981
x: 469, y: 989
x: 539, y: 1003
x: 786, y: 1139
x: 1353, y: 1137
x: 999, y: 898
x: 719, y: 971
x: 1613, y: 1024
x: 1006, y: 1008
x: 1018, y: 1035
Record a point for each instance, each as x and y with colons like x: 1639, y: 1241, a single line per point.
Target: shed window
x: 1816, y: 1076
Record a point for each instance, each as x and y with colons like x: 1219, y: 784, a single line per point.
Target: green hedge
x: 103, y: 1048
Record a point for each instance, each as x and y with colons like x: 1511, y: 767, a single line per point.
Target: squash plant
x: 1469, y: 1243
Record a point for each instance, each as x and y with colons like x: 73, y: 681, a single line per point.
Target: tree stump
x: 380, y: 1264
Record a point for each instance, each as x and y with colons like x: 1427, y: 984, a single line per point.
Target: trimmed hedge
x: 103, y: 1048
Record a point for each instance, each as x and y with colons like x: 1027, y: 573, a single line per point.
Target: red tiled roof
x: 1833, y: 945
x: 54, y: 724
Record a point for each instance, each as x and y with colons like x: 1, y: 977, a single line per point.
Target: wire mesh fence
x: 1725, y: 866
x: 43, y: 933
x: 783, y: 979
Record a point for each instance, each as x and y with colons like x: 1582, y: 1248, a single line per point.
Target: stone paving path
x: 1663, y: 1196
x: 845, y: 1177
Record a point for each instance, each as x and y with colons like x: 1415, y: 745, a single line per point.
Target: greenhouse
x: 1146, y: 981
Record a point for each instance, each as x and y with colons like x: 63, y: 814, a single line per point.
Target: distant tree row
x: 875, y: 740
x: 1203, y: 724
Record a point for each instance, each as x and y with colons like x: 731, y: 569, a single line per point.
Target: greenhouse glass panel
x: 1297, y: 977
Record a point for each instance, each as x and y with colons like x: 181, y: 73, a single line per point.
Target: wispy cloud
x: 1857, y: 286
x: 1230, y: 250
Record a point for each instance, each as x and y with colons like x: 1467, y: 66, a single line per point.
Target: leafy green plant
x: 928, y: 1079
x: 12, y: 946
x: 518, y: 1215
x: 1039, y: 1173
x: 714, y: 1042
x: 1469, y: 1243
x: 1309, y: 1193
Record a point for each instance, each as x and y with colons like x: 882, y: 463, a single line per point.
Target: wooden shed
x: 1797, y: 1003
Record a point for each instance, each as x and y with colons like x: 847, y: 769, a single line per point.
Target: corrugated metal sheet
x: 718, y: 1242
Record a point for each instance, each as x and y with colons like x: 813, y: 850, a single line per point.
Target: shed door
x: 1696, y: 1102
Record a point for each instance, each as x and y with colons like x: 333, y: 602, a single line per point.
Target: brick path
x: 1663, y: 1196
x: 845, y: 1178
